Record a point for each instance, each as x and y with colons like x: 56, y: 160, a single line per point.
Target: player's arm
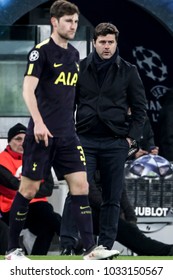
x: 40, y: 130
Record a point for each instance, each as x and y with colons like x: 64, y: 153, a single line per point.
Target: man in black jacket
x: 107, y: 86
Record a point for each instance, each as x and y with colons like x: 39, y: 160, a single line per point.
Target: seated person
x: 129, y: 235
x: 42, y: 221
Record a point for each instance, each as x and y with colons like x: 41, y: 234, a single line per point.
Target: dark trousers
x: 109, y: 155
x: 43, y: 222
x: 131, y: 237
x: 4, y: 231
x: 128, y: 234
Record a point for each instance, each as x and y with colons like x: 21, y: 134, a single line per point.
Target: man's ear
x: 94, y: 43
x: 54, y: 21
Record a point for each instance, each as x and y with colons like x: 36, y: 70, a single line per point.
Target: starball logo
x: 150, y: 63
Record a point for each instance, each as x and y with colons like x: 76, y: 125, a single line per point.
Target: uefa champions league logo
x: 151, y: 63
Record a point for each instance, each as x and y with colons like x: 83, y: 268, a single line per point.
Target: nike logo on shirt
x: 57, y: 65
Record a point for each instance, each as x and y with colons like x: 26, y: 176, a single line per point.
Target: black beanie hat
x: 15, y: 130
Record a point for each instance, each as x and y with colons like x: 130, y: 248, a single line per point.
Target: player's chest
x: 63, y: 72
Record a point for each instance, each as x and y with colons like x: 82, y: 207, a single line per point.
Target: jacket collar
x: 15, y: 155
x: 90, y: 60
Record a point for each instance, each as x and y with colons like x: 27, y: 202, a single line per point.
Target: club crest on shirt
x: 34, y: 55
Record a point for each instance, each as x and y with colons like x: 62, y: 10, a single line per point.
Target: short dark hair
x: 105, y: 28
x: 62, y: 7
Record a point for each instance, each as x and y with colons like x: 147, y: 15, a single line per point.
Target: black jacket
x: 146, y: 141
x: 147, y: 137
x: 165, y: 127
x: 122, y: 88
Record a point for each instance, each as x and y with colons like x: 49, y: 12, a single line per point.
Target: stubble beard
x: 66, y: 37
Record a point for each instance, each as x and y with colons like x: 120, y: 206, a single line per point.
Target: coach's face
x: 105, y: 46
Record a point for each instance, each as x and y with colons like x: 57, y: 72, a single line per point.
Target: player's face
x: 105, y: 46
x: 66, y: 26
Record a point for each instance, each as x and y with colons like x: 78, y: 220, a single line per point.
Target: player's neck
x: 63, y: 43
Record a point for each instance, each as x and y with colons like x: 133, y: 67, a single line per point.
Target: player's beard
x: 66, y: 36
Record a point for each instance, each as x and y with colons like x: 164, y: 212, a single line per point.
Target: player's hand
x: 42, y: 133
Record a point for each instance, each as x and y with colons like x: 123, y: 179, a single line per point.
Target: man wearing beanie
x: 41, y: 221
x: 15, y: 130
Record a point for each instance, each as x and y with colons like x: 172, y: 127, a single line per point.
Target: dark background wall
x: 145, y: 39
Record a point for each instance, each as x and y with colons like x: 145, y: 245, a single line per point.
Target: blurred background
x: 146, y: 39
